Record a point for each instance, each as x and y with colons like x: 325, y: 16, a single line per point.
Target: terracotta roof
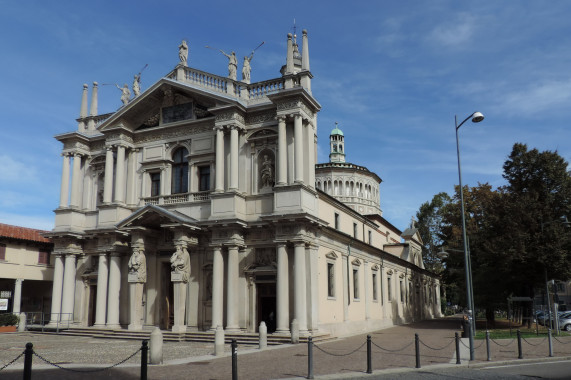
x: 22, y: 233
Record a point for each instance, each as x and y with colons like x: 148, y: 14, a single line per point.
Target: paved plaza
x: 392, y: 349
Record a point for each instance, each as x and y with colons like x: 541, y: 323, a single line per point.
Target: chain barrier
x: 436, y: 349
x: 332, y: 354
x: 13, y: 361
x: 531, y: 344
x: 478, y: 346
x: 503, y: 345
x: 400, y: 349
x: 560, y: 341
x: 86, y: 370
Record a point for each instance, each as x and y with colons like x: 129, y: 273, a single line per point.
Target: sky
x: 393, y: 74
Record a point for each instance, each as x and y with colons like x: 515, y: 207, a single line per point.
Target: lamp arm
x: 465, y: 120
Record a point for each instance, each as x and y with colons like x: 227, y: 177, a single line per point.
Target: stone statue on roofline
x: 246, y: 68
x: 125, y: 93
x: 183, y: 53
x: 137, y: 85
x: 232, y: 64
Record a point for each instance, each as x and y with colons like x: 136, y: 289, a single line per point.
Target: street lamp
x: 476, y: 118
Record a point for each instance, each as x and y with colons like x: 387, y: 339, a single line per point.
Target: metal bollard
x: 234, y: 347
x: 369, y: 358
x: 550, y: 343
x: 417, y: 350
x: 310, y: 358
x: 144, y: 358
x: 28, y: 355
x: 489, y: 356
x: 457, y: 337
x: 520, y: 353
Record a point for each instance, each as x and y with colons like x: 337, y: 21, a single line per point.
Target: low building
x: 195, y: 205
x: 26, y: 270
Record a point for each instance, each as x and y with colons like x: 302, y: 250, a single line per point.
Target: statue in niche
x: 232, y: 64
x: 183, y: 53
x: 137, y: 85
x: 125, y: 93
x: 138, y: 264
x: 267, y: 172
x: 246, y: 68
x: 180, y: 263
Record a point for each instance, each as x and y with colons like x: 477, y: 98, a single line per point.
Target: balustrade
x: 177, y: 198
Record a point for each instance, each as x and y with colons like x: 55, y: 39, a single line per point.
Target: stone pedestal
x: 179, y: 288
x: 136, y: 301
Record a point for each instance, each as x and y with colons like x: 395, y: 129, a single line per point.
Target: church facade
x: 199, y: 204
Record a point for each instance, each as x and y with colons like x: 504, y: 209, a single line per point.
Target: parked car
x: 565, y: 322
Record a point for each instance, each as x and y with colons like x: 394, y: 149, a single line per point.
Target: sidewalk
x: 342, y: 357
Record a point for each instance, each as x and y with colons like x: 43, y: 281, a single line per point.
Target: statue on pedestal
x: 232, y: 64
x: 138, y: 265
x: 137, y: 85
x: 183, y: 53
x: 180, y: 263
x: 246, y: 68
x: 125, y: 93
x: 267, y: 172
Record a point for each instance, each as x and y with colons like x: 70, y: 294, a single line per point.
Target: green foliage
x: 9, y: 319
x: 430, y: 218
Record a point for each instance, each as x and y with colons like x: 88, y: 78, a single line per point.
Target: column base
x: 282, y: 332
x: 99, y: 325
x: 133, y: 327
x: 180, y: 329
x: 113, y: 327
x: 233, y: 329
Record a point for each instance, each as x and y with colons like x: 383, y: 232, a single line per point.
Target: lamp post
x: 476, y: 118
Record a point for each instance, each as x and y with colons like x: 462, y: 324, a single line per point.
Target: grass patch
x: 502, y: 330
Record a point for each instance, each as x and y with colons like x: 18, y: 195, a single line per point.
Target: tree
x: 430, y: 219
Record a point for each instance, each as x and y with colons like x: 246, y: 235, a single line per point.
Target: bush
x: 9, y: 319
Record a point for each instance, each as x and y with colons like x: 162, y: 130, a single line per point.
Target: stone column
x: 57, y: 289
x: 282, y: 291
x: 310, y: 155
x: 179, y: 290
x: 282, y: 152
x: 108, y: 181
x: 313, y: 290
x: 75, y: 181
x: 298, y: 148
x: 300, y: 291
x: 101, y: 301
x: 368, y: 290
x: 232, y: 290
x: 345, y: 274
x: 17, y: 296
x: 114, y: 291
x: 219, y: 186
x: 93, y: 108
x: 217, y: 287
x: 83, y: 109
x: 131, y: 197
x: 63, y: 195
x: 68, y: 295
x: 120, y: 175
x: 233, y: 158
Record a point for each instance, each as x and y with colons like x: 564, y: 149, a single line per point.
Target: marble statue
x: 232, y: 64
x: 138, y: 264
x: 246, y: 68
x: 267, y: 172
x: 180, y: 263
x: 183, y: 53
x: 125, y: 93
x: 137, y: 85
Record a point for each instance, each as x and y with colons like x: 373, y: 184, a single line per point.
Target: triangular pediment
x: 155, y: 217
x: 167, y: 101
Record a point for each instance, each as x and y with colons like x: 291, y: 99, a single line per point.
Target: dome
x: 336, y: 131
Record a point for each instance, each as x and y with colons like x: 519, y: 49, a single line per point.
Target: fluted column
x: 76, y: 181
x: 298, y: 148
x: 282, y: 291
x: 217, y: 287
x: 68, y: 296
x: 17, y: 296
x: 310, y: 135
x: 282, y: 151
x: 108, y: 181
x: 64, y: 190
x: 131, y: 197
x: 219, y: 160
x: 101, y: 301
x: 232, y: 290
x: 57, y: 289
x: 234, y: 158
x: 120, y: 175
x: 114, y: 291
x: 300, y: 291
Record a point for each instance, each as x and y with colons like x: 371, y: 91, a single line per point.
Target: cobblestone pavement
x: 392, y: 348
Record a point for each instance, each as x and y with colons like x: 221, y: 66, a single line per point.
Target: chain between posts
x: 86, y: 370
x: 13, y: 361
x: 480, y: 345
x: 531, y: 344
x: 400, y: 349
x: 332, y: 354
x: 560, y: 341
x: 503, y: 345
x: 436, y: 349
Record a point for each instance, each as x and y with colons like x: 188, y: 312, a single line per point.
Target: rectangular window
x: 560, y: 287
x: 401, y: 291
x: 370, y: 237
x: 44, y: 257
x: 155, y: 184
x: 374, y: 286
x: 336, y: 221
x: 356, y: 284
x: 355, y: 230
x: 2, y: 252
x: 204, y: 178
x: 389, y: 295
x: 330, y: 280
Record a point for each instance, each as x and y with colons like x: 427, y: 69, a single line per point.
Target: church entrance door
x: 267, y: 305
x: 167, y: 298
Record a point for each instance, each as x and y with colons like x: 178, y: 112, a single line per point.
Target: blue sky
x: 393, y: 74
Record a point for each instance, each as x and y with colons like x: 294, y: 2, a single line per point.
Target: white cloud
x: 537, y: 97
x: 454, y: 32
x: 16, y: 171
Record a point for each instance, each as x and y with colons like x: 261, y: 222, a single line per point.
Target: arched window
x: 180, y: 171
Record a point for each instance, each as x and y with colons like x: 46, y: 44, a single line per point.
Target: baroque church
x: 199, y: 203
